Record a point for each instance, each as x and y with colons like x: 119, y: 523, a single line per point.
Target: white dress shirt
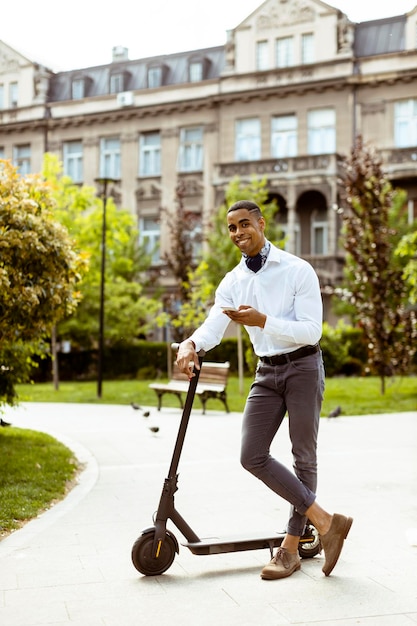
x: 286, y: 289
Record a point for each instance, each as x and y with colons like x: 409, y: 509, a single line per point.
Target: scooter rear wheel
x: 143, y: 559
x: 310, y: 544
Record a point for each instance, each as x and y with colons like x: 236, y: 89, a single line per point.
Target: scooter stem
x: 185, y: 418
x: 166, y: 508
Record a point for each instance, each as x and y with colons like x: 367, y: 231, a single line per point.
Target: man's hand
x: 247, y: 315
x: 186, y: 356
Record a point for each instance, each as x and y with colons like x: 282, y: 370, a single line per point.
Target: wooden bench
x: 211, y: 384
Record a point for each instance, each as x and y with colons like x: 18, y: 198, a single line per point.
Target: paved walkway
x: 72, y: 565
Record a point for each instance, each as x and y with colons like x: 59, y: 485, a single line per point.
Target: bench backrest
x: 210, y: 373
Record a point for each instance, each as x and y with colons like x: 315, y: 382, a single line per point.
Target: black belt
x: 281, y: 359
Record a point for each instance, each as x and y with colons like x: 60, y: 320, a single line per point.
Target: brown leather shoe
x: 282, y: 565
x: 333, y: 540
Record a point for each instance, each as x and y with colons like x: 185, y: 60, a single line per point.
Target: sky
x: 82, y: 33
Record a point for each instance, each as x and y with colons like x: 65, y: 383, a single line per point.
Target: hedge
x: 343, y: 347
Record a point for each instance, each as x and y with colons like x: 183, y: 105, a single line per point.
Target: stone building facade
x: 284, y: 98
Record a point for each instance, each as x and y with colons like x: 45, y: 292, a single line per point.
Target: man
x: 276, y: 296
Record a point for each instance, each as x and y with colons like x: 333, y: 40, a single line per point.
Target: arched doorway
x: 281, y: 215
x: 312, y: 235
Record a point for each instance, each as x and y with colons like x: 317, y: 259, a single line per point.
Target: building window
x: 284, y: 136
x: 262, y: 60
x: 117, y: 83
x: 73, y: 160
x: 77, y: 89
x: 294, y: 246
x: 21, y: 158
x: 150, y: 154
x: 110, y: 158
x: 319, y: 237
x: 405, y: 122
x: 248, y: 139
x: 13, y: 95
x: 412, y: 210
x: 2, y: 97
x: 284, y: 52
x: 150, y: 235
x: 196, y: 238
x: 195, y: 71
x: 307, y: 48
x: 191, y: 149
x: 321, y: 131
x: 154, y: 77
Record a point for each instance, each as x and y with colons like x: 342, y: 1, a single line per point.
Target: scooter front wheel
x: 144, y: 560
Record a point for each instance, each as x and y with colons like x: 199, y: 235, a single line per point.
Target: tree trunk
x: 382, y: 378
x: 54, y: 351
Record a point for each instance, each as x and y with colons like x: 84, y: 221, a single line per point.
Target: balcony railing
x: 328, y: 268
x: 325, y: 164
x: 400, y: 155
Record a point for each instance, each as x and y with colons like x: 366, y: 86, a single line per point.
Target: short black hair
x: 245, y: 204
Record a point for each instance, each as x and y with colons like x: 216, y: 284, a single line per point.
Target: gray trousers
x: 296, y: 387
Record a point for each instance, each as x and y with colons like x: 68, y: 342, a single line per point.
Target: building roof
x: 376, y: 37
x: 175, y: 69
x: 380, y: 36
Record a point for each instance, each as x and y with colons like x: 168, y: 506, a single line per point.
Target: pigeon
x: 146, y: 413
x: 336, y: 412
x: 135, y: 406
x: 3, y: 423
x: 154, y: 429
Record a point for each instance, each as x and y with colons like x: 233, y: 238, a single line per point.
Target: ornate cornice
x: 149, y: 189
x: 234, y: 96
x: 371, y: 108
x: 8, y: 62
x: 193, y: 184
x: 286, y: 14
x: 91, y: 142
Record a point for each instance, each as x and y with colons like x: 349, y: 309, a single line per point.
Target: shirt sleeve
x: 211, y: 332
x: 306, y: 327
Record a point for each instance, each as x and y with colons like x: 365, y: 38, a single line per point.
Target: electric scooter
x: 154, y: 551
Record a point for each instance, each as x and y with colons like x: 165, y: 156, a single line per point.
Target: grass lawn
x: 356, y: 396
x: 35, y: 471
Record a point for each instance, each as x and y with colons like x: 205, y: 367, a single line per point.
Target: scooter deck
x: 219, y: 545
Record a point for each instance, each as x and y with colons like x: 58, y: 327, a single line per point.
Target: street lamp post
x: 104, y: 182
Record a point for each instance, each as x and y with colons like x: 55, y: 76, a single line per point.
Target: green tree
x: 129, y: 313
x: 407, y: 251
x: 40, y: 273
x: 220, y: 255
x: 374, y: 220
x: 180, y: 260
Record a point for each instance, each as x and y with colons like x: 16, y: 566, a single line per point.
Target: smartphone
x: 228, y: 308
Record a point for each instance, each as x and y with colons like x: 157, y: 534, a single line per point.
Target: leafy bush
x: 344, y: 352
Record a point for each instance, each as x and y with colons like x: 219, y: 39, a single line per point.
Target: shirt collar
x: 264, y: 252
x: 274, y: 254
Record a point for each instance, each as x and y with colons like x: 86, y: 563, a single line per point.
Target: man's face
x: 246, y: 230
